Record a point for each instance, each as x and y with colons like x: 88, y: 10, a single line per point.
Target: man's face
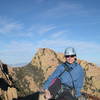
x: 70, y: 58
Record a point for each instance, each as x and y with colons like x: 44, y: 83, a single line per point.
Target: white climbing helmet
x: 69, y: 51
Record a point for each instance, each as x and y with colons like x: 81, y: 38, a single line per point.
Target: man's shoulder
x: 61, y: 66
x: 78, y: 64
x: 79, y: 67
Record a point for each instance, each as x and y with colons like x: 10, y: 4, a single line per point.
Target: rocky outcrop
x: 92, y: 78
x: 47, y: 60
x: 7, y: 91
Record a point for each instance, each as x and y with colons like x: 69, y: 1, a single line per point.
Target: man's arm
x: 79, y: 82
x: 54, y: 75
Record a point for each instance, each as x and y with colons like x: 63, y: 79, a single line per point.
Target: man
x: 74, y: 78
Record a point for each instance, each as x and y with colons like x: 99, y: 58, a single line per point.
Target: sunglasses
x: 67, y: 56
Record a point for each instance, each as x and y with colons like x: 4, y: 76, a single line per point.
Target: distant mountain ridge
x: 18, y: 64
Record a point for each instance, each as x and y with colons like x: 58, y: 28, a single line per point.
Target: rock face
x: 47, y: 60
x: 7, y: 91
x: 92, y: 78
x: 29, y: 78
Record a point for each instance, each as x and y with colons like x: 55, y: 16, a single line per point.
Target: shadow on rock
x: 0, y: 98
x: 5, y: 69
x: 34, y: 96
x: 3, y: 84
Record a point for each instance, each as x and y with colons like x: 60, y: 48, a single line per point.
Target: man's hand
x: 47, y: 94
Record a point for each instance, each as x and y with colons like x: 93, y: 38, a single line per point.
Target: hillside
x: 29, y: 78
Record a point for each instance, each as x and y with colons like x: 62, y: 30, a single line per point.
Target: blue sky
x: 26, y: 25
